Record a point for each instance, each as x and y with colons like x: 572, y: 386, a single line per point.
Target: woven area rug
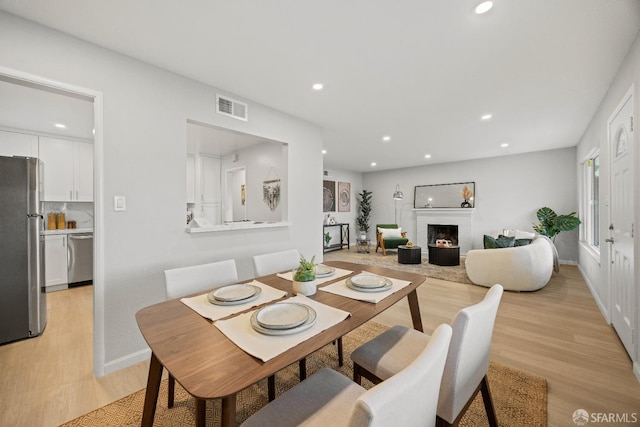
x: 456, y: 273
x: 520, y: 398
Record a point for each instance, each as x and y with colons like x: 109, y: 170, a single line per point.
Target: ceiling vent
x: 326, y: 174
x: 232, y: 108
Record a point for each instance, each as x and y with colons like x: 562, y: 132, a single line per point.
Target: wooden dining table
x: 210, y: 366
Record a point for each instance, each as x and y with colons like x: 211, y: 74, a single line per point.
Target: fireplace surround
x: 462, y: 218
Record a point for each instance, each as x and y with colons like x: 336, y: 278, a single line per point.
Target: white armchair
x: 520, y: 268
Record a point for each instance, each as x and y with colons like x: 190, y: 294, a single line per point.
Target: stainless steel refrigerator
x: 23, y: 304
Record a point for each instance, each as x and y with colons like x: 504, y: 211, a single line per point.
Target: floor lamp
x: 397, y: 195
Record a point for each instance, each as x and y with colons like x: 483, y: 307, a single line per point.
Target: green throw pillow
x: 491, y: 242
x: 522, y: 242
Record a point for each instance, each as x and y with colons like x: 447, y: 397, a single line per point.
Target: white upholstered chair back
x: 410, y: 397
x: 188, y: 280
x: 276, y: 262
x: 468, y: 358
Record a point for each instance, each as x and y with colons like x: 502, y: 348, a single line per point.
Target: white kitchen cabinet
x: 191, y: 179
x: 68, y: 170
x: 18, y: 144
x: 55, y: 262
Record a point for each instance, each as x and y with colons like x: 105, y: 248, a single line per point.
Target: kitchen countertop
x: 67, y: 231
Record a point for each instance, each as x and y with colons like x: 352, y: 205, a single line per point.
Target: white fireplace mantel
x: 462, y: 217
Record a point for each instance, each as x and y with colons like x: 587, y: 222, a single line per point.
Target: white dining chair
x: 276, y: 262
x: 328, y: 398
x: 184, y: 281
x: 465, y: 373
x: 279, y: 262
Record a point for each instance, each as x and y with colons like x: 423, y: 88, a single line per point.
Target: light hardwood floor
x: 557, y: 333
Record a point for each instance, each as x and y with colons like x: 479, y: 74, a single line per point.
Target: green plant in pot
x: 304, y: 277
x: 364, y: 212
x: 327, y: 238
x: 551, y: 224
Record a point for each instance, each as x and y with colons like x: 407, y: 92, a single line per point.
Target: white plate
x: 369, y: 281
x: 235, y: 292
x: 386, y: 287
x: 212, y: 300
x: 311, y: 320
x: 285, y: 315
x: 324, y: 271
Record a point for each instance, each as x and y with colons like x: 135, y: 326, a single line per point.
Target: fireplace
x: 447, y: 232
x: 461, y: 218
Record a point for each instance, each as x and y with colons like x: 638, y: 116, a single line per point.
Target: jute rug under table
x: 520, y: 398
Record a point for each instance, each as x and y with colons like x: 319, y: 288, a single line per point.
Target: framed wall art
x: 344, y: 197
x: 328, y: 196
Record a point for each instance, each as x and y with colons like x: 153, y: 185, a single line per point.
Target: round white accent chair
x: 519, y: 268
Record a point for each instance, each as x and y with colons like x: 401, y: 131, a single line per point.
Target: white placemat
x: 201, y: 305
x: 340, y: 288
x: 319, y: 280
x: 238, y: 329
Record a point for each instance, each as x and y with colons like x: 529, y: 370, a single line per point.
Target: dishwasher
x: 80, y: 258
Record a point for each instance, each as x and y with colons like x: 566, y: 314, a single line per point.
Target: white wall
x: 595, y: 269
x: 509, y: 191
x: 145, y: 114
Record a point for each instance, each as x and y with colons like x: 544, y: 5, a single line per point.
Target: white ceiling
x: 421, y: 71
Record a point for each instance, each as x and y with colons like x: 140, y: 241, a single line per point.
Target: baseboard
x: 567, y: 262
x: 126, y: 361
x: 596, y: 297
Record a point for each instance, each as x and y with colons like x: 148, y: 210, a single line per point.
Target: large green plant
x: 551, y: 223
x: 364, y: 210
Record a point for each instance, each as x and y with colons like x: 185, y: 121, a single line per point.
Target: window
x: 591, y: 204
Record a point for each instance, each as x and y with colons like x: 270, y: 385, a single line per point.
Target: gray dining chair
x: 409, y: 398
x: 279, y: 262
x: 465, y: 373
x: 183, y: 281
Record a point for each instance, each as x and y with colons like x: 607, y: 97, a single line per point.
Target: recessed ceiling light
x: 386, y: 138
x: 60, y: 125
x: 427, y: 156
x: 317, y: 86
x: 373, y: 163
x: 486, y: 116
x: 504, y: 145
x: 324, y: 151
x: 484, y: 7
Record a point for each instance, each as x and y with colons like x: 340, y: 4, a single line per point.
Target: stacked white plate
x: 283, y: 318
x: 234, y: 294
x: 367, y: 282
x: 324, y: 271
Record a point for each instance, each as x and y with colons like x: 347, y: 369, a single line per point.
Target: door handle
x: 609, y: 240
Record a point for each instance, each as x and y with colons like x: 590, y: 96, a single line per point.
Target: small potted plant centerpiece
x: 304, y: 277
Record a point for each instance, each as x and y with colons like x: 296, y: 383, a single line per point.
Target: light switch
x: 119, y: 203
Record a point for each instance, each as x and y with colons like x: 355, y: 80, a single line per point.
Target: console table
x: 344, y: 237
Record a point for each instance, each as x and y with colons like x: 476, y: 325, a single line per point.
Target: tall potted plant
x: 364, y: 212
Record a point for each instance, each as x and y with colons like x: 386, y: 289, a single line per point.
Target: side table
x: 444, y: 256
x: 363, y: 246
x: 409, y: 255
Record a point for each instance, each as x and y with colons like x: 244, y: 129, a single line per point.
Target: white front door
x: 621, y: 230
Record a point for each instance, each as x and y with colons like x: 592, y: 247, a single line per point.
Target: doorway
x: 71, y: 91
x: 621, y: 228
